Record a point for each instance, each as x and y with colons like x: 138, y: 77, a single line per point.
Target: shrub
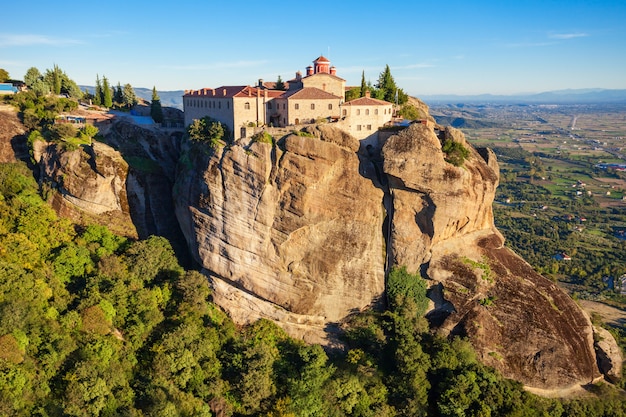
x: 455, y: 152
x: 263, y: 137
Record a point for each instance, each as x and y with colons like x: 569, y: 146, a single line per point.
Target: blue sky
x: 452, y: 47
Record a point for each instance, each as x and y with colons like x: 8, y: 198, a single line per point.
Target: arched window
x: 247, y: 106
x: 376, y: 112
x: 358, y: 112
x: 367, y: 112
x: 330, y: 106
x: 345, y: 112
x: 312, y: 106
x: 297, y: 107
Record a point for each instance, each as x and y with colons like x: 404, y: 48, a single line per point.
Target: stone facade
x: 363, y: 116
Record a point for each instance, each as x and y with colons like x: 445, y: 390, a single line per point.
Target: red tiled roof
x: 366, y: 101
x: 310, y: 93
x: 321, y: 58
x: 230, y: 91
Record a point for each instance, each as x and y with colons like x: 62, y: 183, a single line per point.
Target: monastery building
x: 317, y: 96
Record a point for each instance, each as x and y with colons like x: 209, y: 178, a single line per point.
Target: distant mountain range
x: 168, y: 98
x: 572, y: 96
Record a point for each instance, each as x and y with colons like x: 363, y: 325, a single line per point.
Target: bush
x: 263, y: 137
x: 455, y: 152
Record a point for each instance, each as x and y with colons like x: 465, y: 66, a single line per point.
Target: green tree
x: 32, y: 76
x: 353, y: 93
x: 97, y: 95
x: 118, y: 97
x: 363, y: 85
x: 207, y: 130
x: 280, y: 85
x: 389, y: 91
x: 156, y: 111
x: 403, y: 286
x: 107, y: 99
x: 4, y: 75
x: 129, y: 98
x: 53, y: 78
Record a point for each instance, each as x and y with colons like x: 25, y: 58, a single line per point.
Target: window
x: 312, y: 106
x: 297, y: 106
x: 345, y: 112
x: 367, y: 112
x: 358, y: 127
x: 369, y: 127
x: 358, y: 112
x: 219, y: 104
x: 330, y: 106
x: 247, y: 106
x: 376, y: 112
x: 284, y: 106
x: 228, y: 104
x: 269, y: 105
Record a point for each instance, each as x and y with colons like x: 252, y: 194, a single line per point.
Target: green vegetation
x: 455, y: 152
x: 386, y: 89
x: 263, y: 137
x: 303, y: 133
x: 208, y: 130
x: 156, y: 111
x: 96, y: 325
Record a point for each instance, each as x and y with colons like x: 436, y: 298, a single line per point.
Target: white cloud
x: 7, y: 40
x: 567, y: 35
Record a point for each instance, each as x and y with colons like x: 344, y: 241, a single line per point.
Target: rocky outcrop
x: 289, y: 232
x: 610, y: 359
x: 442, y: 226
x: 90, y: 181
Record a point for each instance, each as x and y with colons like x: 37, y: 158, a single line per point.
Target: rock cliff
x: 90, y: 183
x: 442, y: 225
x: 289, y: 232
x: 295, y: 233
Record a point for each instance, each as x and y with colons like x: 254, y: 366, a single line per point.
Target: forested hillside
x: 94, y: 324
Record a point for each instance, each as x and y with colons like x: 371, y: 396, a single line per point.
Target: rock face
x: 90, y: 180
x: 290, y: 232
x: 442, y: 226
x: 295, y: 233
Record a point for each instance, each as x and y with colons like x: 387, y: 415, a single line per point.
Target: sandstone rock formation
x: 289, y: 232
x: 442, y: 226
x: 91, y: 183
x: 295, y: 233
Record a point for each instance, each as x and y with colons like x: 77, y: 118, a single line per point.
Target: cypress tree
x: 363, y: 85
x: 97, y: 95
x: 156, y: 111
x: 107, y: 100
x: 118, y: 97
x: 280, y: 85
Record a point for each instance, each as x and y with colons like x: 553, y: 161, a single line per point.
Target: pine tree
x: 97, y: 95
x: 387, y: 84
x: 118, y: 97
x: 280, y: 85
x: 107, y: 100
x: 129, y: 98
x: 56, y: 80
x: 363, y: 85
x: 156, y: 111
